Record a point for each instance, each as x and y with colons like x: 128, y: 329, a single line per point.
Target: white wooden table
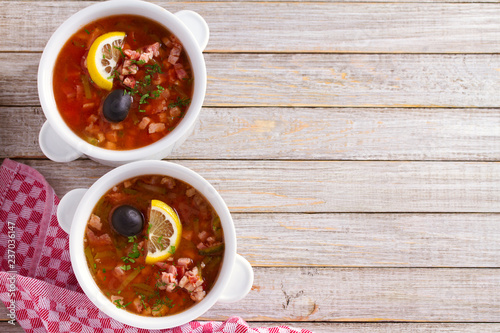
x: 356, y: 145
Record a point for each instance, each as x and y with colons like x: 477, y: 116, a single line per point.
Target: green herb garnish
x: 180, y: 102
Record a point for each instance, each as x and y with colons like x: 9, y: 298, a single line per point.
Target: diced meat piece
x: 159, y: 312
x: 168, y: 281
x: 116, y: 298
x: 156, y: 127
x: 137, y: 304
x: 101, y: 137
x: 203, y: 235
x: 158, y: 79
x: 169, y: 182
x: 190, y: 192
x: 88, y: 106
x: 165, y: 94
x: 175, y: 111
x: 129, y: 81
x: 104, y: 239
x: 69, y: 92
x: 198, y: 294
x: 93, y: 118
x: 187, y: 234
x: 129, y: 68
x: 147, y: 311
x: 166, y: 41
x: 172, y: 270
x: 181, y: 270
x: 179, y: 70
x: 132, y: 54
x: 112, y: 136
x: 192, y: 281
x: 174, y: 55
x: 127, y: 183
x: 162, y: 117
x: 154, y: 48
x: 201, y: 246
x: 149, y: 52
x: 184, y: 262
x: 116, y: 126
x: 91, y: 128
x: 175, y: 51
x: 145, y: 57
x: 144, y: 123
x: 199, y: 201
x: 116, y: 198
x: 95, y: 222
x: 162, y: 265
x: 184, y: 281
x: 110, y: 145
x: 79, y: 91
x: 173, y: 59
x: 118, y: 272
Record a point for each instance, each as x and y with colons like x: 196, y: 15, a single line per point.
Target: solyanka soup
x: 154, y: 245
x: 123, y: 82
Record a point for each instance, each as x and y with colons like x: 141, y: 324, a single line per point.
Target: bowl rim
x: 109, y: 8
x: 79, y: 223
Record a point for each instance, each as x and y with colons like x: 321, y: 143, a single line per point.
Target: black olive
x: 127, y: 220
x: 116, y: 106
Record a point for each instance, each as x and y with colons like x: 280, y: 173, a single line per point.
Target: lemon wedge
x: 164, y: 232
x: 103, y: 56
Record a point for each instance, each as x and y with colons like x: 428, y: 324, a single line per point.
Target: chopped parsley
x: 125, y: 267
x: 143, y: 98
x: 119, y: 303
x: 180, y: 102
x: 119, y: 49
x: 162, y: 301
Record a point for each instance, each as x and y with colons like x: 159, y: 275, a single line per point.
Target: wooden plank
x: 349, y: 327
x: 325, y: 186
x: 367, y: 295
x: 298, y: 26
x: 319, y: 80
x: 369, y: 240
x: 307, y: 134
x: 356, y: 80
x: 352, y: 327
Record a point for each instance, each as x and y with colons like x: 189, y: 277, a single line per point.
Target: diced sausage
x: 144, y: 123
x: 95, y: 222
x: 156, y: 127
x: 104, y: 239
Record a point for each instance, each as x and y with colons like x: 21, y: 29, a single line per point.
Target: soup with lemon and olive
x: 154, y: 245
x: 123, y: 82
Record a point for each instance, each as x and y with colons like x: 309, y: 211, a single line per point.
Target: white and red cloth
x: 46, y: 295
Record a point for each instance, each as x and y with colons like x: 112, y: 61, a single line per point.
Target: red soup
x: 122, y: 233
x: 122, y: 82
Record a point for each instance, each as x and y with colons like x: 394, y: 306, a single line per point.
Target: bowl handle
x: 67, y: 207
x: 240, y: 282
x: 54, y: 147
x: 197, y: 25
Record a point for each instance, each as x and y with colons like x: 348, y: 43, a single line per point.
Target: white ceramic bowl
x: 59, y: 143
x: 236, y: 275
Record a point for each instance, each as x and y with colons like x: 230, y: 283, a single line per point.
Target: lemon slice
x: 103, y: 56
x: 164, y: 231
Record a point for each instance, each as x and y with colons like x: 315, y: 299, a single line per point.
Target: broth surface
x: 161, y: 87
x: 117, y: 263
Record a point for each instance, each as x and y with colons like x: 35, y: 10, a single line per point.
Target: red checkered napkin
x: 40, y: 285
